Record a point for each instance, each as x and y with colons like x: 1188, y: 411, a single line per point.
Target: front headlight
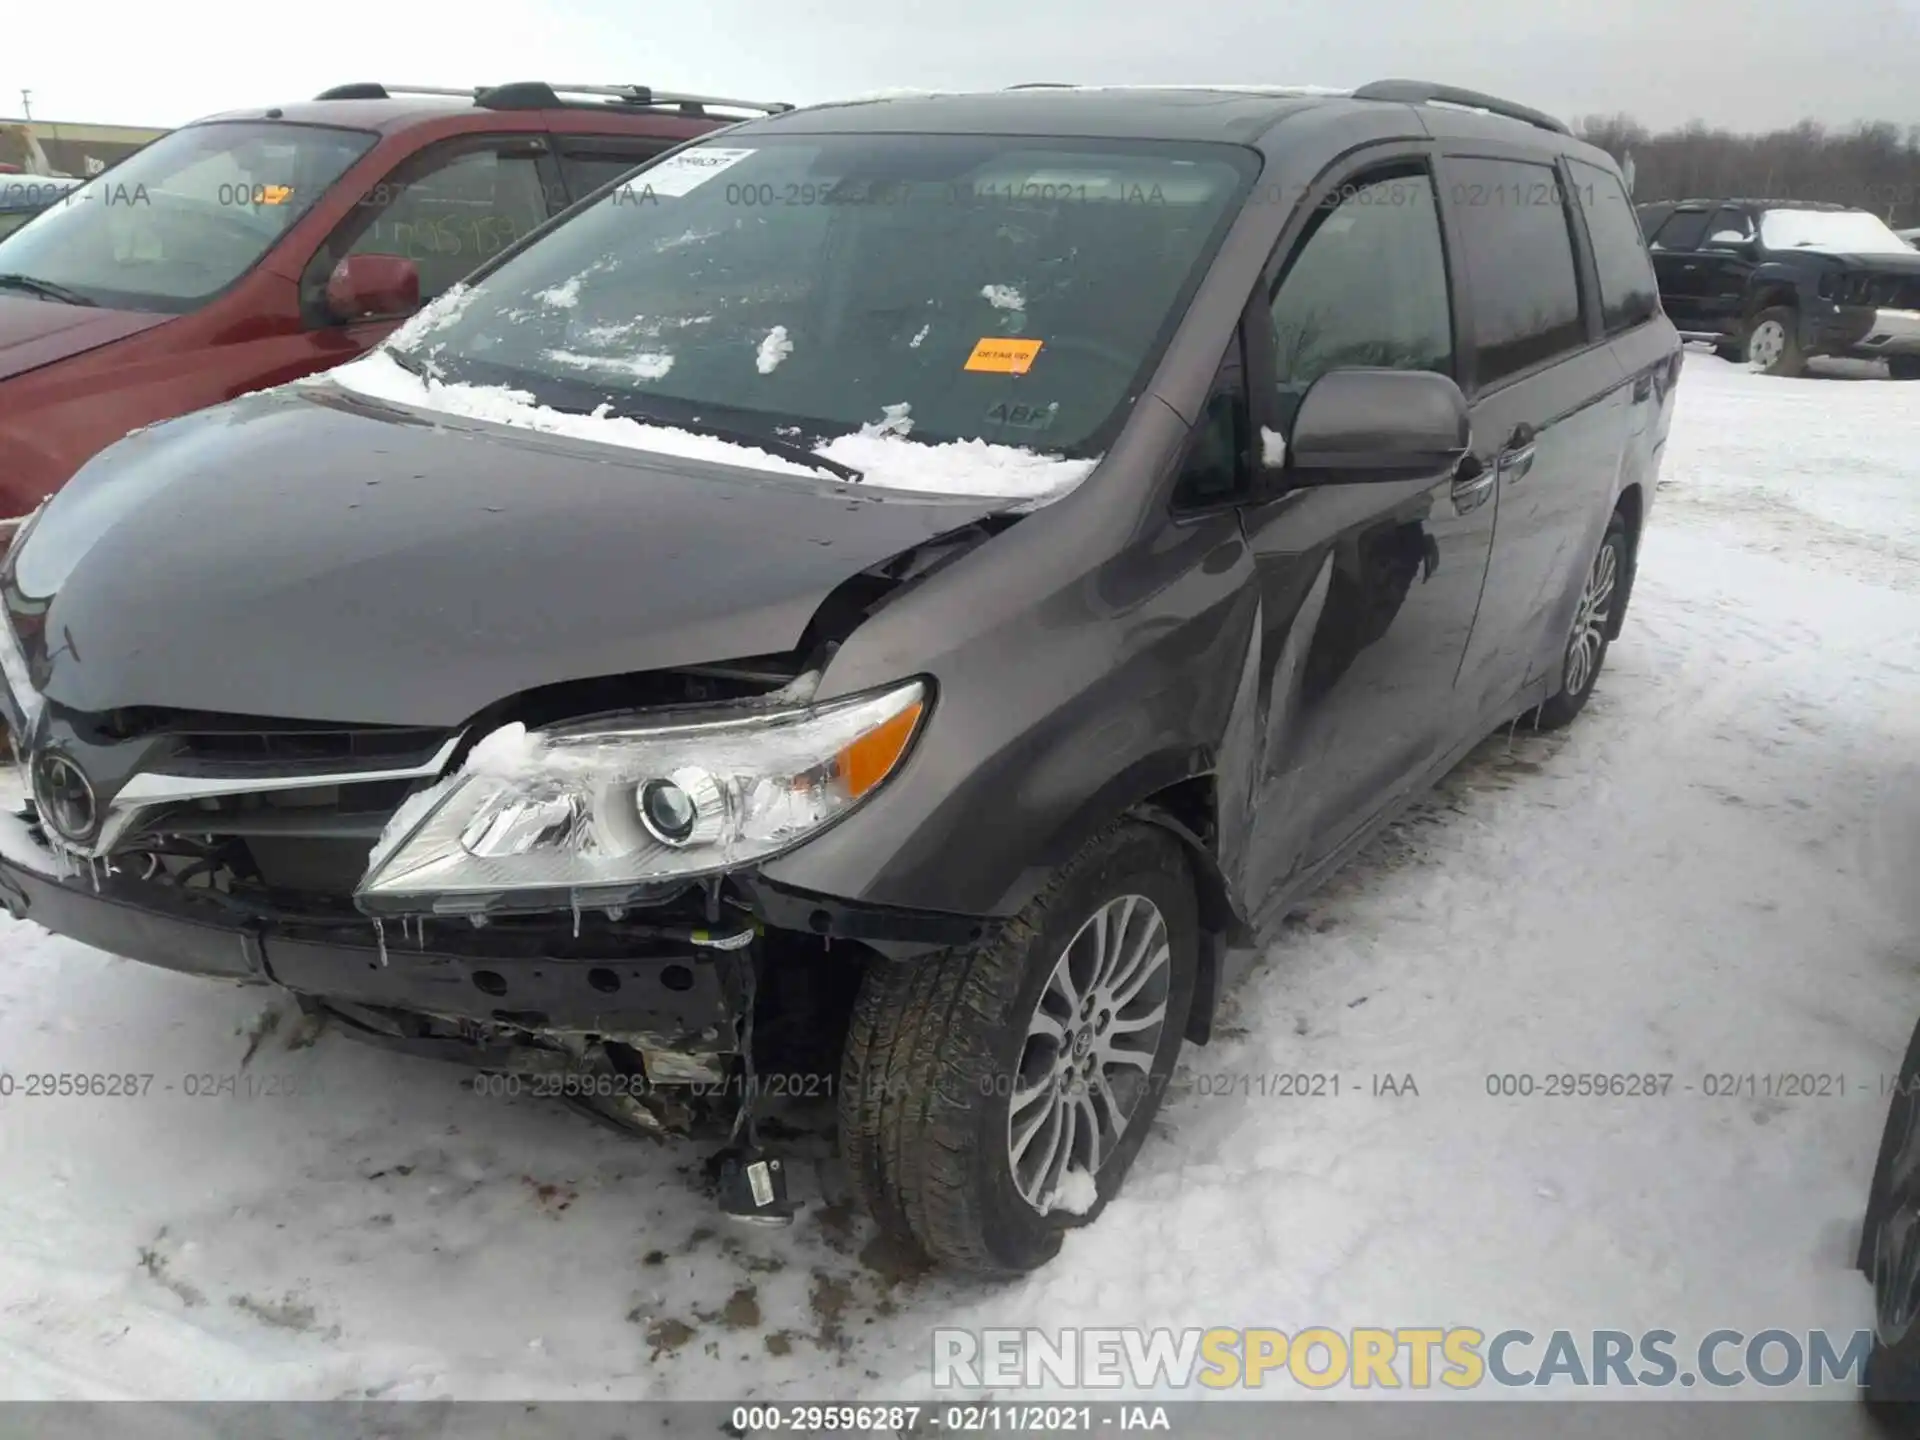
x: 13, y: 655
x: 591, y: 814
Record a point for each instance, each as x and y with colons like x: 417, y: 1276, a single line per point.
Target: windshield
x: 1845, y: 232
x: 177, y: 222
x: 955, y: 288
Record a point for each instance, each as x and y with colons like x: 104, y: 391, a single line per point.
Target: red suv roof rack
x: 540, y: 95
x: 373, y: 90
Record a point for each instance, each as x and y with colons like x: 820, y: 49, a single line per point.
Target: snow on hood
x: 959, y: 467
x: 886, y: 460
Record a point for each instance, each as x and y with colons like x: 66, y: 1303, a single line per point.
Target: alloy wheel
x: 1590, y: 620
x: 1089, y: 1048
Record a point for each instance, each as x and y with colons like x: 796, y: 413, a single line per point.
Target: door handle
x: 1472, y: 484
x: 1517, y: 459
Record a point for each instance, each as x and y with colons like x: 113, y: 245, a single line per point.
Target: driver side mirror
x: 1360, y: 425
x: 373, y: 287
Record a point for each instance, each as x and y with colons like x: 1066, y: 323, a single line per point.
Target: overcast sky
x: 1744, y: 64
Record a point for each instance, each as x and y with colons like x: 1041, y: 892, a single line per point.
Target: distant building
x: 56, y: 147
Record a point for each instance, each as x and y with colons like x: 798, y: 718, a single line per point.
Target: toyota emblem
x: 65, y: 797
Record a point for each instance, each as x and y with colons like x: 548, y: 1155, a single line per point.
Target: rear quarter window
x: 1684, y: 231
x: 1629, y: 295
x: 1513, y: 222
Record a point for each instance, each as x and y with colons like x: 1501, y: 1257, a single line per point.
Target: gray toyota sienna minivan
x: 884, y: 602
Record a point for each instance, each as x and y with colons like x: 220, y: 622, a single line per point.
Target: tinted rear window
x: 1519, y: 252
x: 1628, y: 294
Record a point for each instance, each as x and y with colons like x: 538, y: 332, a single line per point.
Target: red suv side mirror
x: 367, y: 287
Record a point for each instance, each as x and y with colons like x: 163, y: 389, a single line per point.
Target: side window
x: 1367, y: 286
x: 446, y: 211
x: 1629, y: 294
x: 1519, y: 253
x: 1729, y: 227
x: 1684, y: 231
x: 586, y: 165
x: 1215, y: 468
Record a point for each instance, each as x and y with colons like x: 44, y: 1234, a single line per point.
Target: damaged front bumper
x: 448, y: 987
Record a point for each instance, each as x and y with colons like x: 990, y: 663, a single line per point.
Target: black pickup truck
x: 1776, y: 282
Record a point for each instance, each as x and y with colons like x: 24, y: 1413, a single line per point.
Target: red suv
x: 253, y: 247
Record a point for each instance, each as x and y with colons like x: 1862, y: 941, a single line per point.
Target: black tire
x: 1731, y: 350
x: 1893, y: 1370
x: 934, y: 1044
x: 1904, y: 367
x: 1572, y: 699
x: 1791, y: 360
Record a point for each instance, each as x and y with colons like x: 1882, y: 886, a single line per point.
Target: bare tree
x: 1872, y: 165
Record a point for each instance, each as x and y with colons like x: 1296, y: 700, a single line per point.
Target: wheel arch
x: 1768, y: 289
x: 1186, y: 810
x: 1180, y: 800
x: 1631, y: 507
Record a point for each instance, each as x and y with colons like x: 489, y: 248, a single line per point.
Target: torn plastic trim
x: 894, y: 932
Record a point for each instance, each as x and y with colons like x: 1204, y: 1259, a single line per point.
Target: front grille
x: 303, y: 749
x: 312, y: 841
x: 330, y: 810
x: 202, y: 742
x: 1890, y: 292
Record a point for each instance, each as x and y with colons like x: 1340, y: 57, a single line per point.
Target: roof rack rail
x: 1426, y: 92
x: 373, y: 90
x: 539, y: 95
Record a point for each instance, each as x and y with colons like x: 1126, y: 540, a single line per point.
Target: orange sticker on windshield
x: 275, y: 194
x: 1006, y: 356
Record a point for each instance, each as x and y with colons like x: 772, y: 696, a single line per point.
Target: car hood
x: 299, y: 554
x: 38, y: 332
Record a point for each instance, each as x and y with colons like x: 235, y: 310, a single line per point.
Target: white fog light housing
x: 597, y: 811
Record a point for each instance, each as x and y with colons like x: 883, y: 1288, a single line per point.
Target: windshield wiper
x: 407, y: 363
x: 786, y: 449
x: 45, y: 288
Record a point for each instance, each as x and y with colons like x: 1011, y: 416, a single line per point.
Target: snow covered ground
x: 1714, y: 871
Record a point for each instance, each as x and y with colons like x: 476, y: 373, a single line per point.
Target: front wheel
x: 1904, y: 367
x: 994, y: 1096
x: 1773, y: 343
